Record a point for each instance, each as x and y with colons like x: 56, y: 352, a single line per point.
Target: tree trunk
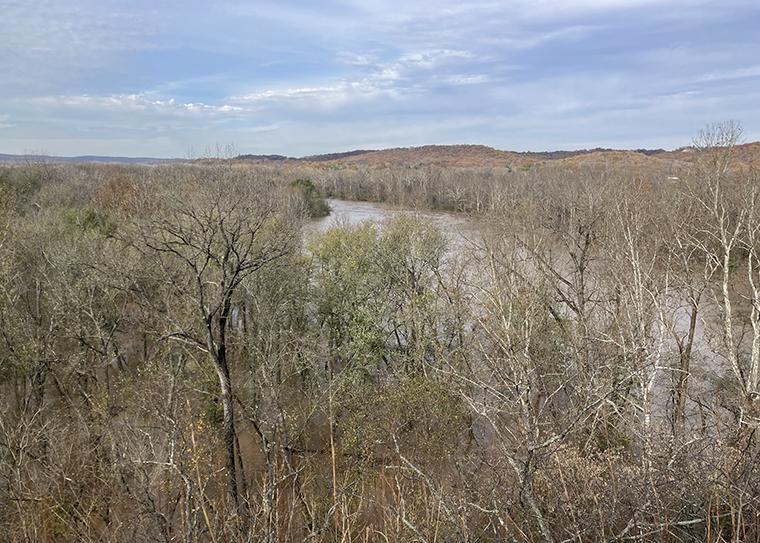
x: 228, y: 431
x: 218, y: 350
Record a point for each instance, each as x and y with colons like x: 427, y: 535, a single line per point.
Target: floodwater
x: 353, y: 212
x: 460, y: 228
x: 456, y: 227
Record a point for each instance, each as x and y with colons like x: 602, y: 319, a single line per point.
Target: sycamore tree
x: 725, y: 202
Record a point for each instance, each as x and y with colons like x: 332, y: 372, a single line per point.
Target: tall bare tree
x: 206, y: 240
x: 726, y: 202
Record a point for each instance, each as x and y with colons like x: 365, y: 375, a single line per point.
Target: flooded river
x: 456, y: 227
x: 460, y: 228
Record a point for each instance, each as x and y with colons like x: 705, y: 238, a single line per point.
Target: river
x: 460, y: 228
x: 456, y: 227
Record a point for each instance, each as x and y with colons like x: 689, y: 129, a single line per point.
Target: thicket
x: 181, y: 361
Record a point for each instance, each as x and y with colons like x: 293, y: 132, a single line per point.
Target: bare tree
x: 637, y: 296
x: 203, y: 244
x: 521, y: 383
x: 727, y: 204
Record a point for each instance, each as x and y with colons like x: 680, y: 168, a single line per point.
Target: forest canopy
x: 183, y: 359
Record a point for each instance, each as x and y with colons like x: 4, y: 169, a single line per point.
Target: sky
x: 169, y: 79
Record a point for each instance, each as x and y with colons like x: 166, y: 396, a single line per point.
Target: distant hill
x: 483, y: 156
x: 261, y: 158
x: 480, y: 156
x: 477, y: 156
x: 442, y: 155
x: 87, y: 158
x: 334, y: 156
x: 331, y: 157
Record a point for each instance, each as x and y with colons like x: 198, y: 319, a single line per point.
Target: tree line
x: 181, y: 360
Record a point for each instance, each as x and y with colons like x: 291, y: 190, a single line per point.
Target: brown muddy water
x: 458, y: 228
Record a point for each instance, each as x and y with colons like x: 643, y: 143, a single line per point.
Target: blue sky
x: 159, y: 78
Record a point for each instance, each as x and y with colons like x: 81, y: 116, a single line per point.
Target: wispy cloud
x: 354, y: 59
x: 410, y: 74
x: 429, y: 59
x: 726, y: 75
x: 331, y: 97
x: 133, y: 103
x: 47, y: 43
x: 466, y: 79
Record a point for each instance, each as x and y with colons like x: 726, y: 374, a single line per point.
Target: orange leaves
x: 126, y: 194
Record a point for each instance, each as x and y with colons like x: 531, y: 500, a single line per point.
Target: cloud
x: 409, y: 75
x: 552, y: 10
x: 726, y: 75
x: 429, y: 59
x: 337, y: 95
x: 476, y: 79
x: 353, y: 59
x: 46, y: 43
x: 3, y: 123
x: 133, y: 103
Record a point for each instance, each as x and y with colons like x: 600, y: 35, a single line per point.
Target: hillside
x: 479, y: 156
x: 37, y: 158
x: 475, y: 156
